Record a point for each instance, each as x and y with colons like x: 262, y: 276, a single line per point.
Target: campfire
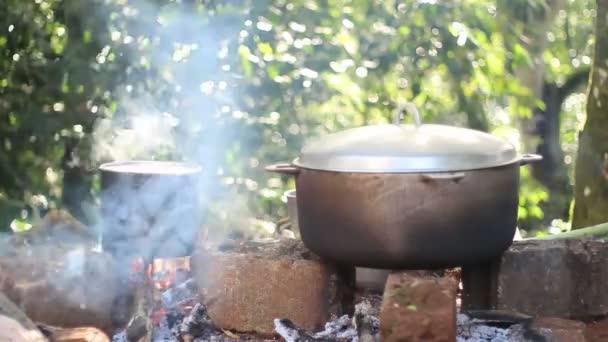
x: 247, y: 290
x: 174, y: 312
x: 177, y: 313
x: 159, y: 278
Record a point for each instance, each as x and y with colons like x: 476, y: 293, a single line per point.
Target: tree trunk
x: 552, y: 171
x: 591, y: 188
x: 541, y: 133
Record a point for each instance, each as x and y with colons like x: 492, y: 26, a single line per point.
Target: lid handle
x: 409, y: 107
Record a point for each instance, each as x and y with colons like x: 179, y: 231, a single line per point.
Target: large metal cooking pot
x: 407, y: 196
x: 149, y: 208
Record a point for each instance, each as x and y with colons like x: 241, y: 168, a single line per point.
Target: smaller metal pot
x: 292, y: 211
x: 149, y: 208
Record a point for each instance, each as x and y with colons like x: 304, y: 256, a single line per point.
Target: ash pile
x: 184, y: 319
x: 471, y: 329
x: 364, y: 326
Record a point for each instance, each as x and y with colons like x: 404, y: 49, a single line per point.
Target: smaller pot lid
x: 396, y: 148
x: 150, y: 167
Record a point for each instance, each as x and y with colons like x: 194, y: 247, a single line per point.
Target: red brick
x: 246, y: 288
x: 417, y: 307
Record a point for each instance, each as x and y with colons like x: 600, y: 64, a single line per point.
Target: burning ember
x: 175, y: 291
x: 174, y: 296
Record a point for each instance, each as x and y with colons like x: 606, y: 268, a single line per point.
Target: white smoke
x: 140, y: 135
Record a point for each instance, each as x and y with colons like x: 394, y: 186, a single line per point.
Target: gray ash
x: 363, y: 327
x: 480, y: 330
x: 184, y: 325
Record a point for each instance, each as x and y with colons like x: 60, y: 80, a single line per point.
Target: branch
x: 597, y: 231
x: 573, y: 82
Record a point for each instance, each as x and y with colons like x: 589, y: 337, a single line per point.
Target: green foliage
x: 248, y: 82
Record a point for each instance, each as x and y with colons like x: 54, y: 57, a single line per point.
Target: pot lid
x: 390, y: 148
x: 150, y: 167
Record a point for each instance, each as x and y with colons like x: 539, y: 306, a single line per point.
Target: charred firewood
x: 174, y: 318
x: 196, y: 324
x: 82, y: 334
x: 139, y: 328
x: 367, y: 325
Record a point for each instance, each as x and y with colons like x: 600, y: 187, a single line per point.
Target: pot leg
x: 479, y: 285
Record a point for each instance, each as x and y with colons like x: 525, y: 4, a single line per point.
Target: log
x: 84, y: 334
x: 140, y: 326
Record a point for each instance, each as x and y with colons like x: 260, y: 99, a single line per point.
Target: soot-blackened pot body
x: 407, y: 220
x: 149, y: 209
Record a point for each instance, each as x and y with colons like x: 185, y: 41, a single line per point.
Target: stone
x: 11, y: 330
x: 553, y: 278
x: 417, y: 307
x: 554, y: 329
x: 246, y: 286
x: 62, y: 288
x: 15, y: 325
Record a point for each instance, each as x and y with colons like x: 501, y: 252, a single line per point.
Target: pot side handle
x: 283, y: 168
x: 530, y: 158
x: 453, y: 176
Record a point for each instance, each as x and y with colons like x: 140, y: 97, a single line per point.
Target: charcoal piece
x: 137, y: 329
x: 197, y: 323
x: 174, y: 318
x: 292, y: 333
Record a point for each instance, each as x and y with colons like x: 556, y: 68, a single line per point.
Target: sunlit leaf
x: 19, y: 226
x: 245, y: 53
